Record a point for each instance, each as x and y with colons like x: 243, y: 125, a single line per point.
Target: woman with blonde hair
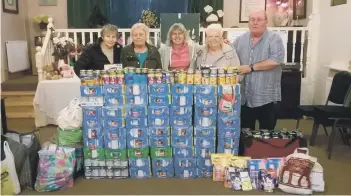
x: 105, y: 51
x: 139, y: 53
x: 216, y: 53
x: 179, y: 52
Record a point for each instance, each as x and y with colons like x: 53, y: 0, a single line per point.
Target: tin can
x: 172, y: 77
x: 213, y: 71
x: 105, y: 77
x: 97, y: 78
x: 113, y: 78
x: 90, y: 73
x: 120, y: 77
x: 182, y: 77
x: 83, y: 73
x: 138, y: 70
x: 205, y: 79
x: 190, y: 77
x: 228, y: 78
x: 221, y: 79
x: 213, y: 79
x: 197, y: 77
x: 151, y: 77
x: 221, y: 71
x: 168, y: 77
x: 144, y: 70
x: 83, y: 81
x: 131, y: 69
x: 158, y: 78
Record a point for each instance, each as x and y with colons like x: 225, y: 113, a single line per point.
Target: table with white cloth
x: 52, y: 96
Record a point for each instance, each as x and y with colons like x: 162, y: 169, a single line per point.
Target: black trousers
x: 264, y: 114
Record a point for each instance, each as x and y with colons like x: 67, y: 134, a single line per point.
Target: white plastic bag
x: 317, y: 178
x: 9, y: 179
x: 70, y: 117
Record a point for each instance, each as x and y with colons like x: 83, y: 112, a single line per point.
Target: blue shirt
x: 260, y: 87
x: 142, y: 58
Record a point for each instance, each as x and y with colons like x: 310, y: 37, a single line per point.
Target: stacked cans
x: 228, y: 123
x: 159, y: 130
x: 205, y: 127
x: 182, y: 130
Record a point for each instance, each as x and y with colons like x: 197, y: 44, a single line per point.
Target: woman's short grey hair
x: 141, y: 26
x: 215, y: 27
x: 177, y: 27
x: 109, y: 28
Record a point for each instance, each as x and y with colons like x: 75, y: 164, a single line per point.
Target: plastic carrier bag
x: 70, y: 117
x: 9, y: 180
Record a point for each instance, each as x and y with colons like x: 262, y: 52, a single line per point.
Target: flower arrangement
x: 149, y: 18
x: 42, y: 20
x: 213, y: 17
x: 64, y: 47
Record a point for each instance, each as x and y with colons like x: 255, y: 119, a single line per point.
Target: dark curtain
x: 125, y: 13
x: 197, y: 6
x: 79, y: 11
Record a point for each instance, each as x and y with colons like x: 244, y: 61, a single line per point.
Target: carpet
x: 336, y: 171
x: 22, y: 83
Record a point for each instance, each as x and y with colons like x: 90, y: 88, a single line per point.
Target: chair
x: 337, y: 94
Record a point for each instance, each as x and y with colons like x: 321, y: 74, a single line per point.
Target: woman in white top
x: 216, y: 53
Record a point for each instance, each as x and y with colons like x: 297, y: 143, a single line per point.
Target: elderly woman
x: 105, y: 51
x: 179, y: 51
x: 139, y: 53
x: 216, y: 53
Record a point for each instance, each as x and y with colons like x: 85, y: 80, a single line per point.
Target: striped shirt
x: 180, y: 59
x: 261, y: 87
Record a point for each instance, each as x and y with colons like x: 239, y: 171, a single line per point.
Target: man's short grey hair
x: 141, y: 26
x: 177, y: 27
x: 214, y: 27
x: 109, y: 28
x: 264, y: 12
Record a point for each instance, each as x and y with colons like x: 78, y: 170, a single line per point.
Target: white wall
x: 334, y: 43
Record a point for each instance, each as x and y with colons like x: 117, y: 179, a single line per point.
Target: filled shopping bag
x: 70, y: 117
x: 295, y: 174
x: 56, y: 168
x: 9, y: 180
x: 25, y: 147
x: 69, y: 137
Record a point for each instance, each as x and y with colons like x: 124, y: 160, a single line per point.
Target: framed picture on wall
x: 10, y: 6
x: 248, y: 6
x: 337, y: 2
x: 299, y: 9
x: 47, y: 2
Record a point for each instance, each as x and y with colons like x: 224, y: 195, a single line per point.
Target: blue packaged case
x: 139, y: 163
x: 183, y: 152
x: 159, y: 131
x: 136, y: 89
x: 91, y: 91
x: 206, y: 111
x: 159, y: 89
x: 136, y: 122
x: 206, y: 100
x: 204, y: 153
x: 137, y: 111
x: 204, y: 172
x: 139, y: 173
x: 181, y: 121
x: 228, y: 122
x: 205, y: 90
x: 163, y: 173
x: 181, y: 111
x: 234, y: 111
x: 205, y: 142
x: 158, y: 121
x: 159, y: 141
x: 229, y: 132
x: 141, y: 142
x: 137, y: 99
x: 203, y: 162
x: 91, y: 112
x: 181, y: 141
x: 114, y: 89
x: 182, y: 89
x: 185, y: 131
x: 155, y: 111
x: 114, y: 100
x: 160, y: 100
x: 113, y: 112
x: 235, y: 90
x: 92, y: 133
x: 182, y: 100
x: 113, y: 123
x: 93, y: 144
x: 185, y: 173
x: 115, y: 139
x: 205, y: 131
x: 137, y: 132
x: 91, y: 123
x: 227, y: 145
x: 183, y: 163
x: 205, y: 121
x: 162, y: 163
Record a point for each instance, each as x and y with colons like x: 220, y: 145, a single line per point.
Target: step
x: 19, y: 115
x: 17, y: 93
x: 11, y: 102
x: 23, y: 109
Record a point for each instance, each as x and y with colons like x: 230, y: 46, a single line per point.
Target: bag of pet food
x: 220, y: 162
x: 295, y: 174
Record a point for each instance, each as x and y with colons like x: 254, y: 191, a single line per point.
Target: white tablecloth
x: 52, y: 96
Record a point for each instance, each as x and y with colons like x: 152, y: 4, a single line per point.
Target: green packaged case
x: 161, y: 152
x: 138, y: 153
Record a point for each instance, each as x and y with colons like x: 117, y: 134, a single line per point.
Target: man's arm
x: 276, y: 57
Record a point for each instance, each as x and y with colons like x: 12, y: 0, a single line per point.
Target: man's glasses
x: 258, y: 20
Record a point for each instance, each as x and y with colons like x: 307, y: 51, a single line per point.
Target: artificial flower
x: 212, y: 18
x: 220, y: 13
x: 208, y: 9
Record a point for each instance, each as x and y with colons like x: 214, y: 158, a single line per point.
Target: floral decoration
x: 42, y: 20
x: 149, y: 18
x: 64, y: 47
x: 213, y: 17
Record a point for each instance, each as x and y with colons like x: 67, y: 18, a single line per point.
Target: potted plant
x: 42, y: 20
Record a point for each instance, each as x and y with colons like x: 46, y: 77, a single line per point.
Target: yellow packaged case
x: 220, y: 162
